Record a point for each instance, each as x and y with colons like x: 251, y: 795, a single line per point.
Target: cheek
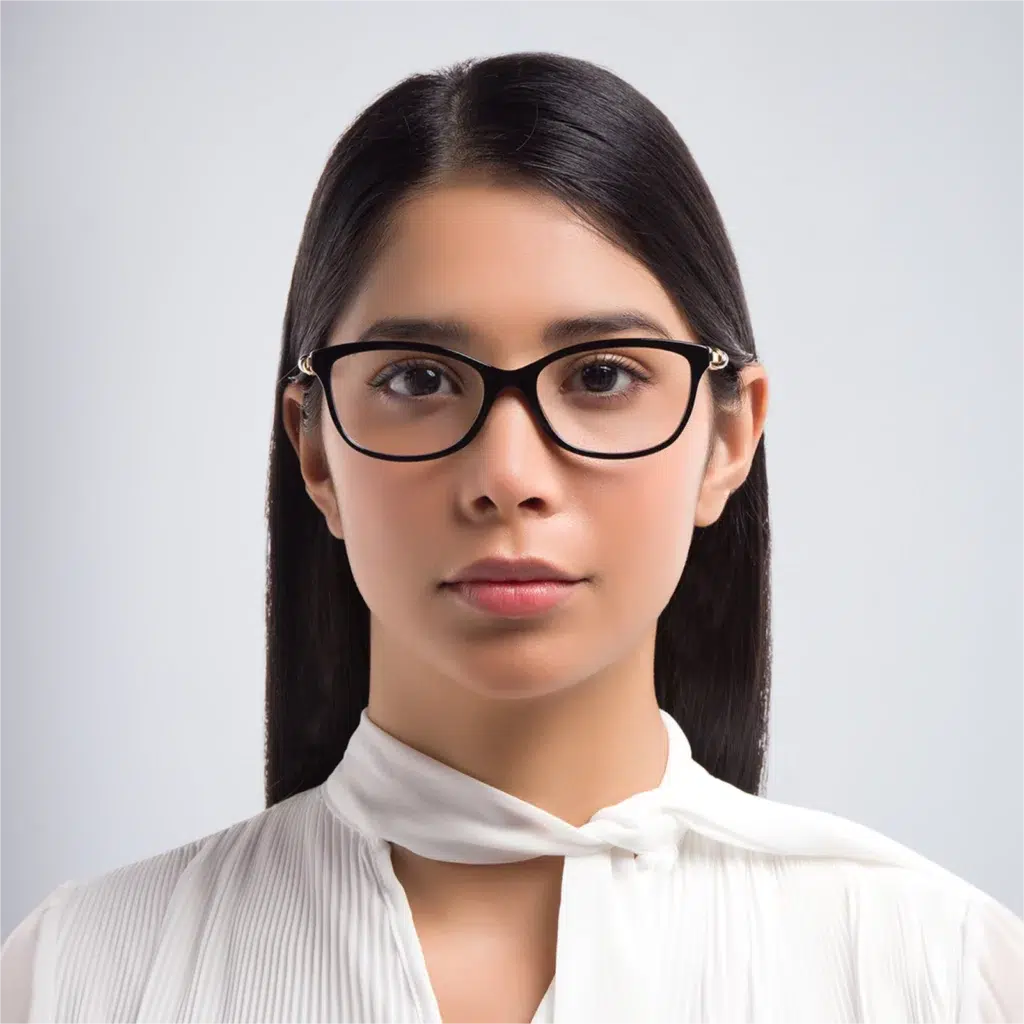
x: 642, y: 521
x: 387, y: 536
x: 646, y: 517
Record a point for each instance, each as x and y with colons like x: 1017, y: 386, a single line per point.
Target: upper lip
x: 499, y: 569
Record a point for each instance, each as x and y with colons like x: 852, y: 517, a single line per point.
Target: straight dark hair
x: 579, y: 133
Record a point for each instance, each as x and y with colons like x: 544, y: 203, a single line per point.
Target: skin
x: 558, y: 710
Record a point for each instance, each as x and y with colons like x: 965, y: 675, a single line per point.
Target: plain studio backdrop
x: 158, y: 160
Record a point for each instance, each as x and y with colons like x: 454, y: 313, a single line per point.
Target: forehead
x: 502, y: 259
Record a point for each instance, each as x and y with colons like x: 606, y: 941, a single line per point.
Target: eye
x: 421, y: 377
x: 600, y: 371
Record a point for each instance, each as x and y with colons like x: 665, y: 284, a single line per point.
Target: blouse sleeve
x: 20, y: 996
x: 993, y: 964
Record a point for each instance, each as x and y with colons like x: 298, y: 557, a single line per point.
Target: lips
x: 506, y: 570
x: 514, y: 598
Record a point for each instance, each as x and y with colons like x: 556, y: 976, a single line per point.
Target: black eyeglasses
x: 420, y: 423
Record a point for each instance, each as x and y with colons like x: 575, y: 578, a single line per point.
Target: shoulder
x: 993, y: 977
x: 897, y: 933
x: 18, y: 957
x: 859, y: 892
x: 90, y: 946
x: 143, y: 891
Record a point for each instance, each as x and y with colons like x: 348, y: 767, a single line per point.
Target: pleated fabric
x: 675, y: 908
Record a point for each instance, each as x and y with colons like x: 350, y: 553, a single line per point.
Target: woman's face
x: 506, y: 262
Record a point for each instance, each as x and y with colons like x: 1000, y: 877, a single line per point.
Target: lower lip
x: 514, y: 599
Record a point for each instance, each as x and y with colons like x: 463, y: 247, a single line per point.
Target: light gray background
x: 158, y: 161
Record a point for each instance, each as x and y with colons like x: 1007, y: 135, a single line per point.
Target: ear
x: 736, y: 433
x: 308, y: 445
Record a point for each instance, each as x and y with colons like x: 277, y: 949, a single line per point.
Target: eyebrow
x: 557, y: 332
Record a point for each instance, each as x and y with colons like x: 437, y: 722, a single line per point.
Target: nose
x: 505, y: 466
x: 510, y: 417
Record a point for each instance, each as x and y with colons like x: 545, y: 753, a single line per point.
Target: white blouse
x: 694, y: 901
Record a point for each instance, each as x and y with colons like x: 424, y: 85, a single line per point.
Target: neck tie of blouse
x: 606, y: 968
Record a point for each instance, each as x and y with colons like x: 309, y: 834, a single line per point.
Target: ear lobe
x: 321, y: 493
x: 711, y: 502
x: 334, y: 525
x: 737, y: 435
x: 313, y: 465
x: 320, y: 488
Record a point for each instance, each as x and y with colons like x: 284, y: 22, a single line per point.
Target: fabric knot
x: 657, y: 860
x: 642, y: 824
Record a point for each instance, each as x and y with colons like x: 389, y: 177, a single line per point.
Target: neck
x: 570, y: 751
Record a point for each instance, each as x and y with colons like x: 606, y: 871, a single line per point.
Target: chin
x: 518, y: 689
x: 520, y: 674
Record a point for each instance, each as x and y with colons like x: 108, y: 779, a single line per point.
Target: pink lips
x: 514, y: 598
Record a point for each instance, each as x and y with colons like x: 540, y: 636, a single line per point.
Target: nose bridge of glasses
x: 510, y: 387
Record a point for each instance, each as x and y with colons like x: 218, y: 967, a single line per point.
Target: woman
x: 518, y: 630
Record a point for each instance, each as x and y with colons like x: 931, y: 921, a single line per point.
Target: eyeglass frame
x: 496, y: 380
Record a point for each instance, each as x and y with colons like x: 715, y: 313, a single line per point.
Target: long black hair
x: 583, y: 135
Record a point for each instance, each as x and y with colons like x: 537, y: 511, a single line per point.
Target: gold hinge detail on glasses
x: 718, y: 359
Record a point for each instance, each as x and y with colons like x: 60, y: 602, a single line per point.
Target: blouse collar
x: 388, y: 790
x: 607, y: 948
